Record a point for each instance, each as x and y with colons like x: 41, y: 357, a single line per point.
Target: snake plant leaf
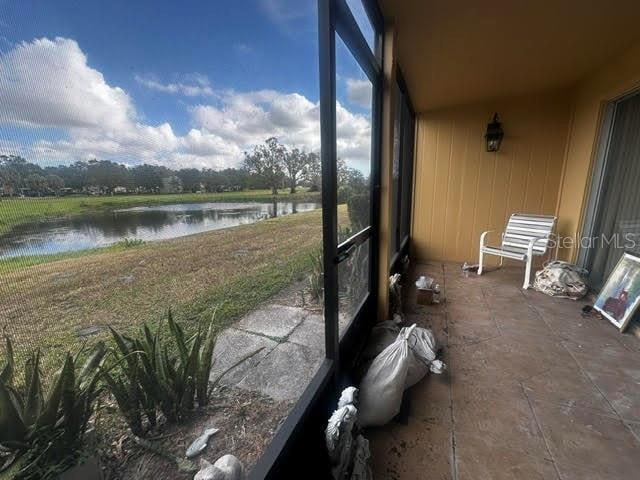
x: 128, y: 406
x: 178, y: 336
x: 12, y: 428
x: 204, y: 367
x: 189, y: 375
x: 191, y: 368
x: 71, y: 416
x: 88, y: 370
x: 34, y: 400
x: 150, y: 341
x: 124, y: 346
x: 53, y: 399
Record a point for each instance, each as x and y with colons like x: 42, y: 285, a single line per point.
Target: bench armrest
x: 483, y: 236
x: 532, y: 242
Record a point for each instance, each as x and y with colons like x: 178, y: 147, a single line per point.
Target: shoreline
x: 19, y: 211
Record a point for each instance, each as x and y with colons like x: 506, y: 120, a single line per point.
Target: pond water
x: 157, y: 222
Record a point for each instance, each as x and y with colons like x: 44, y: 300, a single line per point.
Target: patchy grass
x: 16, y: 263
x: 234, y: 270
x: 17, y: 211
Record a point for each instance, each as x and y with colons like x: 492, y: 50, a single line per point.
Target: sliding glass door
x: 615, y: 202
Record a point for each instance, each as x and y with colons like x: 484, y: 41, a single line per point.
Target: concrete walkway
x: 285, y: 346
x: 533, y: 391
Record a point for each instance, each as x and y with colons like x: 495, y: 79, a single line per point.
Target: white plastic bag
x: 383, y: 334
x: 382, y: 386
x: 423, y: 349
x: 399, y: 366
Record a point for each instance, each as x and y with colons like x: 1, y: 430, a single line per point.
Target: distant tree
x: 148, y: 178
x: 351, y: 177
x: 312, y: 173
x: 55, y: 183
x: 9, y: 175
x: 267, y: 163
x: 36, y: 183
x: 74, y: 175
x: 171, y: 184
x: 107, y: 175
x: 191, y: 179
x: 213, y: 180
x: 295, y: 162
x: 236, y: 178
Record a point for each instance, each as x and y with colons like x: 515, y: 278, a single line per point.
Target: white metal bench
x: 526, y: 236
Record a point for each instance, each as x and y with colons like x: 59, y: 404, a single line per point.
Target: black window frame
x: 403, y: 200
x: 345, y: 25
x: 335, y: 18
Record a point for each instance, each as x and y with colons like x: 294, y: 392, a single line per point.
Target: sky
x: 180, y: 84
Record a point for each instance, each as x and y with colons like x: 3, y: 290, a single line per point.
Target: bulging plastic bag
x: 382, y: 386
x: 383, y: 334
x: 399, y: 366
x: 422, y: 344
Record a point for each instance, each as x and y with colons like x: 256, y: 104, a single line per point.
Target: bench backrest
x: 522, y: 228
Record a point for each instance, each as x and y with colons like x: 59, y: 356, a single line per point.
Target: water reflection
x: 159, y: 222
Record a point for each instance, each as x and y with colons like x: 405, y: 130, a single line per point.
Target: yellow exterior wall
x: 461, y: 190
x: 591, y: 95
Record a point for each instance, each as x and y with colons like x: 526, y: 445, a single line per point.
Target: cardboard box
x: 425, y: 296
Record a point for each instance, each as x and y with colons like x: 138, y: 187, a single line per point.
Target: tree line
x: 269, y: 165
x: 20, y: 177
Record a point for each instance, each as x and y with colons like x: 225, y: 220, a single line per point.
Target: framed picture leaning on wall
x: 619, y: 298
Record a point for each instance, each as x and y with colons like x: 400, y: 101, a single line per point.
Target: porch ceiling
x: 461, y: 51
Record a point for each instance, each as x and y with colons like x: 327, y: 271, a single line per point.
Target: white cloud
x: 48, y: 83
x: 284, y: 11
x: 194, y: 85
x: 291, y: 16
x: 246, y: 119
x: 359, y: 92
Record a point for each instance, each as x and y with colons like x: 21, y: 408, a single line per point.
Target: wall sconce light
x: 494, y: 134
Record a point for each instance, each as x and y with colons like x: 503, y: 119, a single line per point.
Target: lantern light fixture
x: 494, y: 134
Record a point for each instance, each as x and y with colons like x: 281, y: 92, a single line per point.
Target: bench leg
x: 527, y: 274
x: 480, y: 262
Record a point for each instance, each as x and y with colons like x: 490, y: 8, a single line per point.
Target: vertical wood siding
x: 461, y: 190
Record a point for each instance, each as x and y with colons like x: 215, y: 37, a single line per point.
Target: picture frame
x: 618, y: 300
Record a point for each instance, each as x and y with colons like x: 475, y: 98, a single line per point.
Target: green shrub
x: 153, y: 373
x: 47, y: 428
x: 344, y: 193
x: 358, y: 207
x: 130, y: 242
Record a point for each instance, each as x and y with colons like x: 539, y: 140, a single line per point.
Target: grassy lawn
x: 16, y: 211
x: 234, y: 270
x: 16, y: 263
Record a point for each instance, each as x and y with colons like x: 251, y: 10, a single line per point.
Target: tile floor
x: 534, y: 390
